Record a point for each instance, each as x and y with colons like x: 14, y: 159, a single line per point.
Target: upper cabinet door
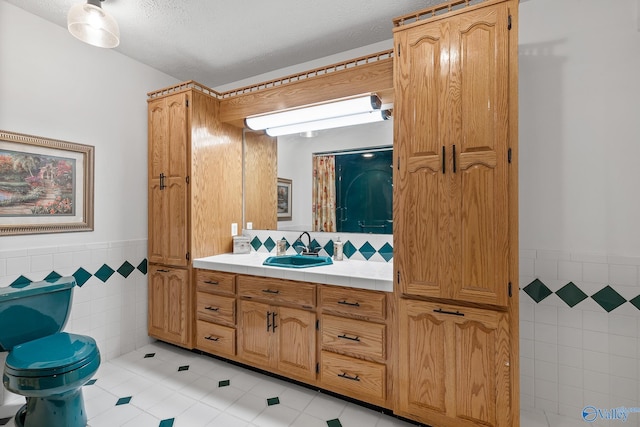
x: 451, y: 206
x: 420, y: 131
x: 479, y: 131
x: 168, y: 169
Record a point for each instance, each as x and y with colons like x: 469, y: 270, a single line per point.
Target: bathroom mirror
x: 291, y: 157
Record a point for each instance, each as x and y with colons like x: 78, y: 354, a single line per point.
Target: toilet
x: 47, y: 366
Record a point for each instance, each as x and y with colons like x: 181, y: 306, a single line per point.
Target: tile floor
x: 164, y: 386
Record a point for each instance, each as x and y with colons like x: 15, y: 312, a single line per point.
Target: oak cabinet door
x: 254, y: 330
x: 169, y: 313
x: 296, y: 334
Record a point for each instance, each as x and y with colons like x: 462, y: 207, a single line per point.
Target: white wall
x: 54, y: 86
x: 579, y: 207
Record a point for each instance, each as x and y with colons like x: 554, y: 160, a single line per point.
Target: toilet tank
x: 34, y: 311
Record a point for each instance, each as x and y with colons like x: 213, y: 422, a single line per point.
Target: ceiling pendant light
x: 91, y: 24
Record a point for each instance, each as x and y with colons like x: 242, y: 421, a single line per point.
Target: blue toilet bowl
x: 45, y: 365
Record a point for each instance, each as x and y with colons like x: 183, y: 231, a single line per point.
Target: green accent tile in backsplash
x: 104, y: 273
x: 537, y: 290
x: 571, y: 294
x: 608, y: 298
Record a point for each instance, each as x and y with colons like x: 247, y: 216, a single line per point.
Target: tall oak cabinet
x: 455, y: 214
x: 195, y: 194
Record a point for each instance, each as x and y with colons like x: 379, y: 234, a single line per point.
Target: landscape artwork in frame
x: 46, y: 185
x: 284, y: 199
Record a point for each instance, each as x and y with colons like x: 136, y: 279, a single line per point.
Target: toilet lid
x: 51, y: 355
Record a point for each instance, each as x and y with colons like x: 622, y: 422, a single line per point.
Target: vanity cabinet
x: 277, y: 326
x: 455, y: 215
x: 215, y: 312
x: 194, y: 192
x: 355, y: 345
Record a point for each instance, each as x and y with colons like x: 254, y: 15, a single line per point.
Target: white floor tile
x: 247, y: 407
x: 276, y: 416
x: 306, y: 420
x: 356, y: 416
x: 198, y: 415
x: 142, y: 420
x: 325, y: 407
x: 227, y: 420
x: 172, y: 406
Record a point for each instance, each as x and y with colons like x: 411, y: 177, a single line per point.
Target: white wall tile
x: 62, y: 260
x: 546, y: 352
x: 623, y: 346
x: 625, y: 387
x: 546, y: 389
x: 546, y: 405
x: 623, y: 275
x: 18, y: 266
x: 594, y: 321
x: 623, y: 325
x: 597, y: 381
x: 571, y: 376
x: 571, y: 337
x: 546, y: 268
x: 546, y: 333
x: 3, y: 267
x: 570, y: 317
x: 526, y: 330
x: 595, y: 341
x: 593, y: 272
x: 42, y: 263
x: 570, y: 356
x: 596, y: 362
x: 546, y: 371
x: 527, y: 267
x: 623, y: 366
x: 569, y: 271
x: 527, y: 348
x: 571, y: 396
x: 546, y: 314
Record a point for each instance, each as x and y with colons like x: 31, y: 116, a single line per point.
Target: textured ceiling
x: 219, y: 42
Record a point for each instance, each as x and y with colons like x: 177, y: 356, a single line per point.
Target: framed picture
x: 46, y: 185
x: 285, y: 194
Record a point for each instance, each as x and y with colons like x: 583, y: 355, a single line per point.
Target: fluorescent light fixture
x: 89, y: 23
x: 334, y: 122
x: 345, y: 107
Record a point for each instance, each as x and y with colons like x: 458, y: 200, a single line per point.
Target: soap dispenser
x: 337, y: 250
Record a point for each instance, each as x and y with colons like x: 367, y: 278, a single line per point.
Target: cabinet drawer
x: 354, y: 377
x: 215, y: 339
x: 353, y: 336
x: 277, y: 291
x: 215, y: 282
x: 216, y: 308
x: 359, y: 302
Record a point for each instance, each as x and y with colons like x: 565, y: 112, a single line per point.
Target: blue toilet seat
x: 52, y: 356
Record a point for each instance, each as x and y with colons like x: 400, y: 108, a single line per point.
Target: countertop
x: 377, y: 276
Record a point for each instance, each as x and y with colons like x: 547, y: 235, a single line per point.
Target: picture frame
x: 285, y: 195
x: 46, y: 185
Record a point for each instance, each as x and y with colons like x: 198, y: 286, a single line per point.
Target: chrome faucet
x: 307, y: 250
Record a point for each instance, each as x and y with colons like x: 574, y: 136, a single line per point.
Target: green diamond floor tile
x: 608, y: 299
x: 183, y: 368
x: 571, y: 294
x: 91, y: 382
x: 104, y: 272
x: 5, y: 421
x: 126, y: 269
x: 167, y: 423
x: 123, y: 401
x: 537, y: 290
x: 334, y: 423
x: 273, y: 401
x: 148, y: 355
x: 224, y: 383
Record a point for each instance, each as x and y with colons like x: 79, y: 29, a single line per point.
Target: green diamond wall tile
x: 52, y: 277
x: 81, y: 275
x: 20, y: 282
x: 104, y: 272
x: 367, y: 250
x: 256, y: 243
x: 329, y: 248
x: 537, y: 290
x: 608, y: 299
x: 348, y: 249
x: 571, y: 294
x: 386, y: 251
x: 636, y: 302
x: 269, y: 244
x: 125, y: 269
x: 142, y: 267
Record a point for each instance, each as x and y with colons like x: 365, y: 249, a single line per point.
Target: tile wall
x: 110, y: 300
x: 579, y: 332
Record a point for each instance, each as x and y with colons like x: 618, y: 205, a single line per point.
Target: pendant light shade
x: 91, y: 24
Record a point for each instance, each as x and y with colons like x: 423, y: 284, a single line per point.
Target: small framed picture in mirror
x: 285, y: 194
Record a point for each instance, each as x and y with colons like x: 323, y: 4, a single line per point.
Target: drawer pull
x: 163, y: 271
x: 212, y: 308
x: 455, y: 313
x: 349, y: 377
x: 211, y: 282
x: 352, y: 304
x: 269, y: 291
x: 346, y: 337
x: 210, y: 338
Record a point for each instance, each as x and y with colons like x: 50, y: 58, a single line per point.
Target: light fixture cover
x: 363, y: 104
x: 333, y: 122
x: 91, y: 24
